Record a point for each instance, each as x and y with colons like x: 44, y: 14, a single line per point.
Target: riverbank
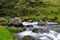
x: 48, y: 18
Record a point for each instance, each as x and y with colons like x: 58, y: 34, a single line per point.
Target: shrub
x: 6, y: 35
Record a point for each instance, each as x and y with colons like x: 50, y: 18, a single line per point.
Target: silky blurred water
x: 51, y: 35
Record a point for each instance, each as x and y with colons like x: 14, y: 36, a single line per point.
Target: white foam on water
x: 52, y: 35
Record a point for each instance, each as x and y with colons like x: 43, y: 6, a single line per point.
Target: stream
x: 51, y: 31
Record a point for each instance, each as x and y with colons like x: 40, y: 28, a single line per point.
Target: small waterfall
x: 45, y: 34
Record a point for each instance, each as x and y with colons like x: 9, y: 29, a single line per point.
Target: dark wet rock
x: 10, y: 25
x: 19, y: 25
x: 35, y: 30
x: 29, y: 25
x: 41, y: 23
x: 28, y: 38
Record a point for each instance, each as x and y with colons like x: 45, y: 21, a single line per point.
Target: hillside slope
x: 34, y: 9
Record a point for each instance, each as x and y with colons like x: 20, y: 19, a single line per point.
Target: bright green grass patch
x: 6, y: 35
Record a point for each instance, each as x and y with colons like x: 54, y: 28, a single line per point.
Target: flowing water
x: 41, y: 35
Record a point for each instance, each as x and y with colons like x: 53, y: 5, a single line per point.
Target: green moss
x: 3, y: 20
x: 14, y: 29
x: 28, y: 38
x: 6, y: 35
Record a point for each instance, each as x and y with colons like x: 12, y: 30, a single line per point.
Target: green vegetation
x: 3, y: 20
x: 6, y: 35
x: 34, y: 9
x: 14, y: 29
x: 28, y: 38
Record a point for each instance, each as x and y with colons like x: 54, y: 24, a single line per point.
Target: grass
x: 44, y: 9
x: 14, y: 29
x: 6, y: 35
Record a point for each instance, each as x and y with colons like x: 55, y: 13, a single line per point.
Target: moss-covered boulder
x: 14, y: 29
x: 6, y: 35
x: 28, y: 38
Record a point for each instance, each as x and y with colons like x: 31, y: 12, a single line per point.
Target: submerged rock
x: 44, y: 30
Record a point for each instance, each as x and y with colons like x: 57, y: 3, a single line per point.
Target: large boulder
x: 41, y: 23
x: 16, y: 22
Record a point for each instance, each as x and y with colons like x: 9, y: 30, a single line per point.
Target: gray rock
x: 41, y: 23
x: 15, y: 21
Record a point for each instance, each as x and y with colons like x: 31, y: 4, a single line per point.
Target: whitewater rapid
x: 52, y: 35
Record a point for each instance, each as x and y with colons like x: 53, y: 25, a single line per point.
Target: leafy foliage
x: 27, y: 8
